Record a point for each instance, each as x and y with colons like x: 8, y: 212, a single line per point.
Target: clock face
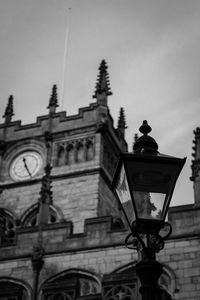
x: 25, y: 166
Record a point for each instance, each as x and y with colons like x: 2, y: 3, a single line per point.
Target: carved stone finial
x: 145, y: 143
x: 122, y: 122
x: 9, y: 112
x: 53, y: 101
x: 102, y: 89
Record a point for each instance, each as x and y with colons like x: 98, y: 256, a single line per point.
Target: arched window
x: 30, y: 218
x: 70, y: 285
x: 122, y: 284
x: 8, y: 228
x: 10, y: 290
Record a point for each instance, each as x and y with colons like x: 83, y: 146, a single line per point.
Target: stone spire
x: 53, y: 101
x: 102, y: 89
x: 121, y: 122
x: 9, y: 110
x: 196, y: 166
x: 45, y: 196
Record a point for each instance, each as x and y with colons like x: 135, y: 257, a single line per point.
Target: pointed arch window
x: 122, y: 284
x: 31, y: 219
x: 12, y: 291
x: 70, y: 286
x: 8, y: 229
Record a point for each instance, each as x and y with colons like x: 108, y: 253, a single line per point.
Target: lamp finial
x: 145, y: 128
x: 145, y: 143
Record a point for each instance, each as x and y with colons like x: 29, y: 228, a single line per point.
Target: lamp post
x: 143, y: 184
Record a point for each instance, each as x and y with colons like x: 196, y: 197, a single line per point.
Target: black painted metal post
x: 149, y: 273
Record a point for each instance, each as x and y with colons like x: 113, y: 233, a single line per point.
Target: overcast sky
x: 152, y: 48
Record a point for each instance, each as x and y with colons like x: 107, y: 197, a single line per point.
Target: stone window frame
x: 125, y: 275
x: 8, y: 223
x: 32, y: 212
x: 14, y: 287
x: 57, y: 284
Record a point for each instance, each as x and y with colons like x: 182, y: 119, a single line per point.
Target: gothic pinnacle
x: 46, y: 193
x: 45, y: 196
x: 53, y: 101
x: 9, y: 110
x: 122, y: 121
x: 102, y: 89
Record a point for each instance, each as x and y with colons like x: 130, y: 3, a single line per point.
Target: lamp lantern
x: 144, y: 182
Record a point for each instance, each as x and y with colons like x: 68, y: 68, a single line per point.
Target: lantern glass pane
x: 122, y: 190
x: 149, y: 205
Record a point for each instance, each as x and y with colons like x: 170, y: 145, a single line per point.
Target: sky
x: 152, y: 48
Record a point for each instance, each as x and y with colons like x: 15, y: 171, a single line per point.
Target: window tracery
x: 122, y: 284
x: 60, y: 296
x: 70, y: 286
x: 121, y: 292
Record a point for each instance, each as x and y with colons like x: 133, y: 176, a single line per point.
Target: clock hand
x: 26, y: 167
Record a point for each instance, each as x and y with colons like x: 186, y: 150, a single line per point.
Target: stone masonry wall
x: 100, y: 250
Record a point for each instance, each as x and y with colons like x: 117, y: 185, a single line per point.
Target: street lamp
x: 143, y: 183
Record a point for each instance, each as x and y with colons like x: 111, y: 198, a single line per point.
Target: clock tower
x: 56, y: 173
x: 82, y: 150
x: 61, y: 232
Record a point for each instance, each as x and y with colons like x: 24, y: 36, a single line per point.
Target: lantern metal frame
x: 148, y: 235
x: 142, y: 225
x: 146, y: 153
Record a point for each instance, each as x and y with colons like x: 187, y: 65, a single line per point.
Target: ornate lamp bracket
x: 148, y: 244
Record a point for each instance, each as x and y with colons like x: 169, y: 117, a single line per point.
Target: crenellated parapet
x: 99, y: 232
x: 59, y: 237
x: 88, y: 119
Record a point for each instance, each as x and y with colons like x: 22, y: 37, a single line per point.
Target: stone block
x: 191, y: 272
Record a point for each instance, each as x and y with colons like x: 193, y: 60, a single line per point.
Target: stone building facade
x: 61, y: 232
